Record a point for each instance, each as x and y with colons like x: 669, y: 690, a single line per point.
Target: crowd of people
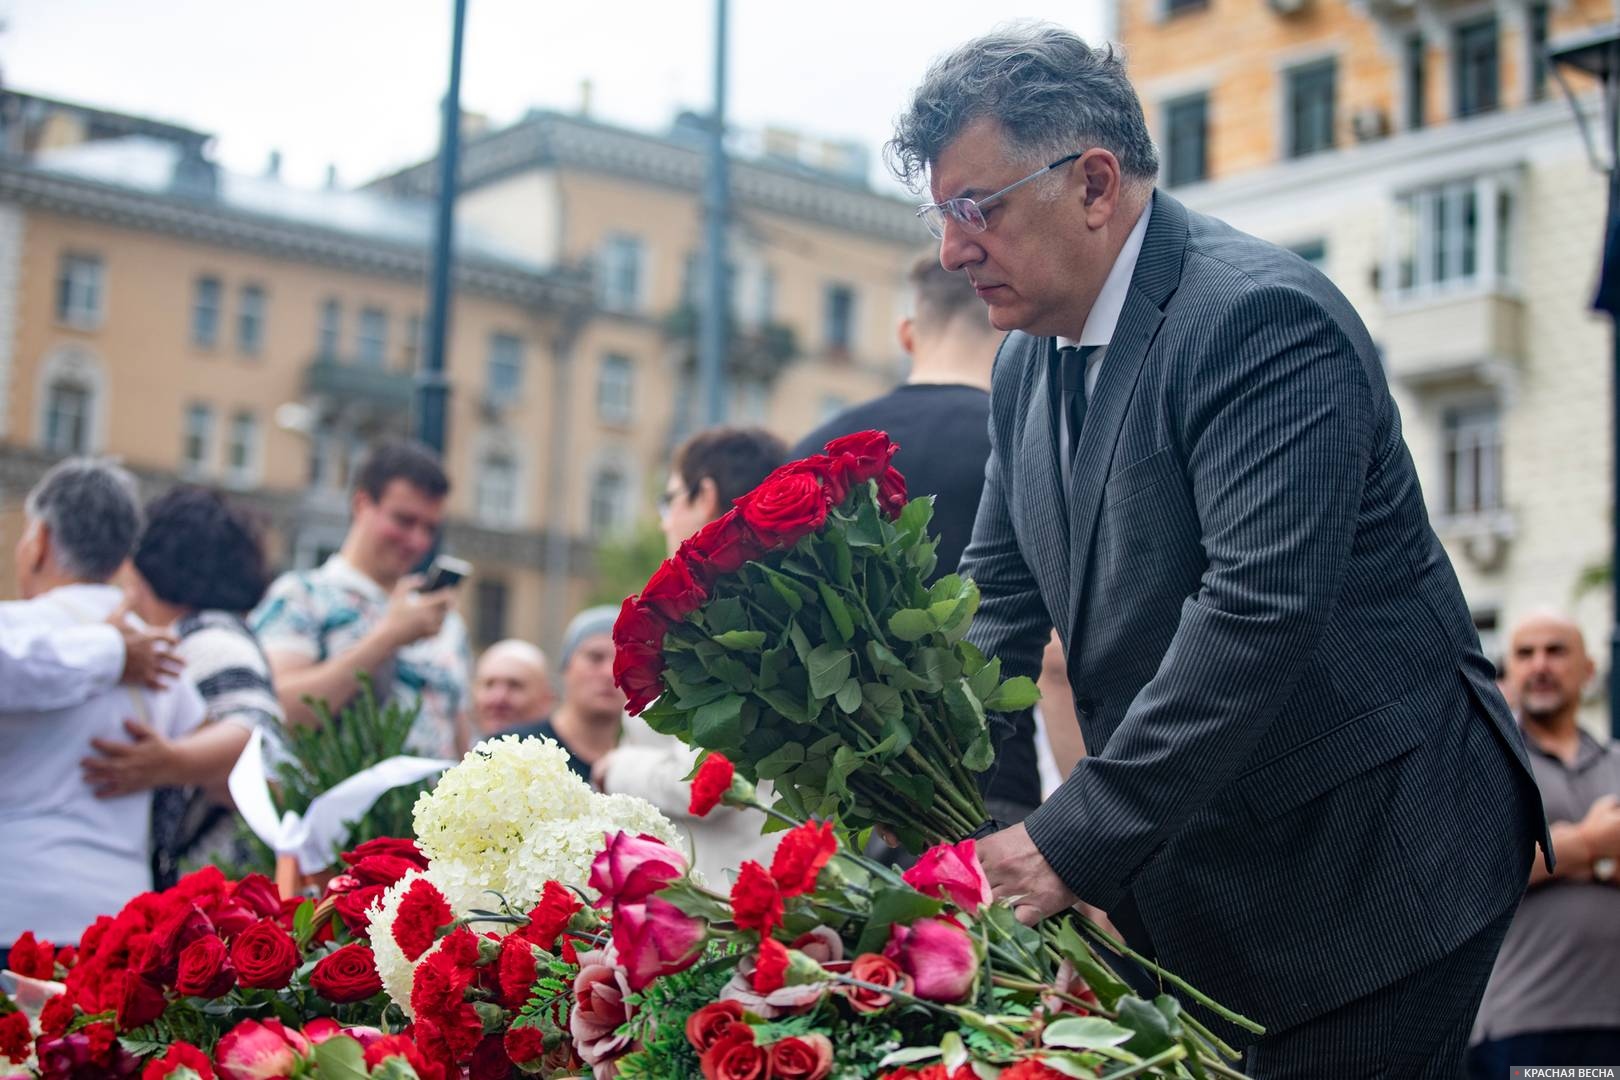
x: 152, y: 641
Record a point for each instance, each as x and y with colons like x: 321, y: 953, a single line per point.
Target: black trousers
x: 1414, y: 1029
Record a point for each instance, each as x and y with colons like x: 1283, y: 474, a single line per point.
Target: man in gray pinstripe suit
x: 1305, y: 793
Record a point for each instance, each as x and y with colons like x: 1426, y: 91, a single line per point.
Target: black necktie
x: 1072, y: 361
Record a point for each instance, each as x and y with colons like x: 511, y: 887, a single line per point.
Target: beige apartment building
x: 235, y: 331
x: 1419, y: 152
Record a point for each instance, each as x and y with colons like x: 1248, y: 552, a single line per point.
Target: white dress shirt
x: 1104, y: 317
x: 54, y: 668
x: 69, y: 856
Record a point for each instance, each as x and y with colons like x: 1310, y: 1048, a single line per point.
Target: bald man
x: 511, y: 687
x: 1553, y: 998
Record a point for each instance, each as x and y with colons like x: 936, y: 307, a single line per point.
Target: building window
x: 489, y: 617
x: 242, y: 450
x: 615, y: 385
x: 1186, y: 124
x: 622, y: 275
x: 1312, y: 117
x: 67, y: 417
x: 1472, y: 465
x: 1487, y: 623
x: 608, y: 490
x: 505, y: 375
x: 412, y: 348
x: 1537, y: 30
x: 206, y: 303
x: 838, y: 318
x: 79, y: 291
x: 331, y: 330
x: 371, y: 346
x: 1417, y: 81
x: 495, y: 496
x: 250, y: 320
x: 1453, y: 235
x: 1312, y: 251
x: 197, y: 440
x: 1477, y: 71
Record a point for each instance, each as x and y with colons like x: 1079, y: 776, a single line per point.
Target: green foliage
x: 625, y: 562
x: 659, y: 1023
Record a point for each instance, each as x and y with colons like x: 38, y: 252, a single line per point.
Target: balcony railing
x: 386, y: 389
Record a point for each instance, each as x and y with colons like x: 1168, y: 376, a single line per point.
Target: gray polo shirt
x: 1559, y: 967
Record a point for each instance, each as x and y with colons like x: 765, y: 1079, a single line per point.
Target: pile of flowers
x: 796, y: 635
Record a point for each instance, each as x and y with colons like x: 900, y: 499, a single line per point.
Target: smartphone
x: 444, y: 572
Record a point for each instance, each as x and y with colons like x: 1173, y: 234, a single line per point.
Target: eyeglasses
x: 969, y: 213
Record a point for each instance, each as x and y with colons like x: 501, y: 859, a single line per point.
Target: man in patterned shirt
x: 360, y: 611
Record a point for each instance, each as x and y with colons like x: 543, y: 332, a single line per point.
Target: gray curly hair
x: 1051, y: 93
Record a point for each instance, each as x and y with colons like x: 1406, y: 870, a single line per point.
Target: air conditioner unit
x: 1288, y: 7
x: 1368, y: 124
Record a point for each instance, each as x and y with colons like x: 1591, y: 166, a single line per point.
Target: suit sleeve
x: 1275, y: 419
x: 1012, y: 622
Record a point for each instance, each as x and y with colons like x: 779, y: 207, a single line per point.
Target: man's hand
x: 149, y: 658
x: 1601, y: 827
x: 1020, y: 874
x: 599, y: 771
x: 124, y: 768
x: 411, y: 615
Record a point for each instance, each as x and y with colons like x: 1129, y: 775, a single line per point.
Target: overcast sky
x: 355, y: 82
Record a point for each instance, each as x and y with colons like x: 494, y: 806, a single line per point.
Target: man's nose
x: 958, y: 248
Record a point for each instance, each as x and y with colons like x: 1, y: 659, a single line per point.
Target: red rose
x: 382, y: 870
x: 16, y: 1037
x: 639, y: 623
x: 399, y: 847
x: 525, y: 1044
x: 350, y: 974
x: 32, y: 958
x: 756, y: 902
x: 258, y: 894
x: 801, y: 1057
x: 784, y: 509
x: 834, y: 474
x: 181, y: 1055
x: 673, y: 592
x: 352, y: 907
x: 638, y: 670
x: 705, y: 1027
x: 205, y: 969
x: 265, y: 956
x: 139, y: 1002
x: 801, y: 855
x: 557, y: 907
x: 770, y: 970
x: 422, y: 911
x: 631, y: 868
x: 711, y: 783
x: 869, y: 452
x: 891, y: 492
x: 57, y: 1016
x: 735, y: 1056
x: 879, y: 971
x: 655, y: 938
x: 724, y: 544
x: 179, y: 928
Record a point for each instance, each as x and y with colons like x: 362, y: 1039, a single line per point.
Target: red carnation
x: 1031, y: 1069
x: 756, y: 902
x: 16, y: 1037
x: 801, y: 855
x: 711, y: 783
x: 673, y: 592
x: 516, y: 970
x: 551, y: 915
x: 525, y: 1044
x: 783, y: 509
x: 265, y: 956
x: 869, y: 452
x: 350, y: 974
x: 421, y: 912
x: 32, y: 958
x: 770, y: 969
x: 57, y: 1016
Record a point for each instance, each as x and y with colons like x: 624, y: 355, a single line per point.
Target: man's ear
x: 907, y: 333
x: 38, y: 541
x: 1102, y: 184
x: 707, y: 499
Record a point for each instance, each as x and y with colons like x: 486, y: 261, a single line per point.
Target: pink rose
x: 951, y: 872
x: 320, y: 1029
x: 655, y: 938
x: 631, y: 868
x: 259, y: 1051
x: 601, y: 1005
x: 938, y: 955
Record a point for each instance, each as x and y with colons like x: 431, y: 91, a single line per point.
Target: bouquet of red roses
x: 797, y: 635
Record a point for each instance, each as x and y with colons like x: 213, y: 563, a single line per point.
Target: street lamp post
x: 432, y: 388
x: 714, y: 317
x: 1596, y: 53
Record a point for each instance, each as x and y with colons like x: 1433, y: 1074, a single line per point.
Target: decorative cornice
x: 551, y: 139
x: 228, y: 226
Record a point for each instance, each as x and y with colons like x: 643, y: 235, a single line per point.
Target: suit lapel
x: 1158, y: 272
x: 1039, y: 462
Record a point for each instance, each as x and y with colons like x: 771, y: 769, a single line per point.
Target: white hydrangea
x: 511, y: 817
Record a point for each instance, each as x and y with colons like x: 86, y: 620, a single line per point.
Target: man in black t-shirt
x: 940, y: 418
x: 588, y: 719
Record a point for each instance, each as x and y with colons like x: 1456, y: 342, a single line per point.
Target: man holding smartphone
x: 364, y: 611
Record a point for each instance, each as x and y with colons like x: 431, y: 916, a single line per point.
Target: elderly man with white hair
x: 68, y: 855
x: 511, y: 688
